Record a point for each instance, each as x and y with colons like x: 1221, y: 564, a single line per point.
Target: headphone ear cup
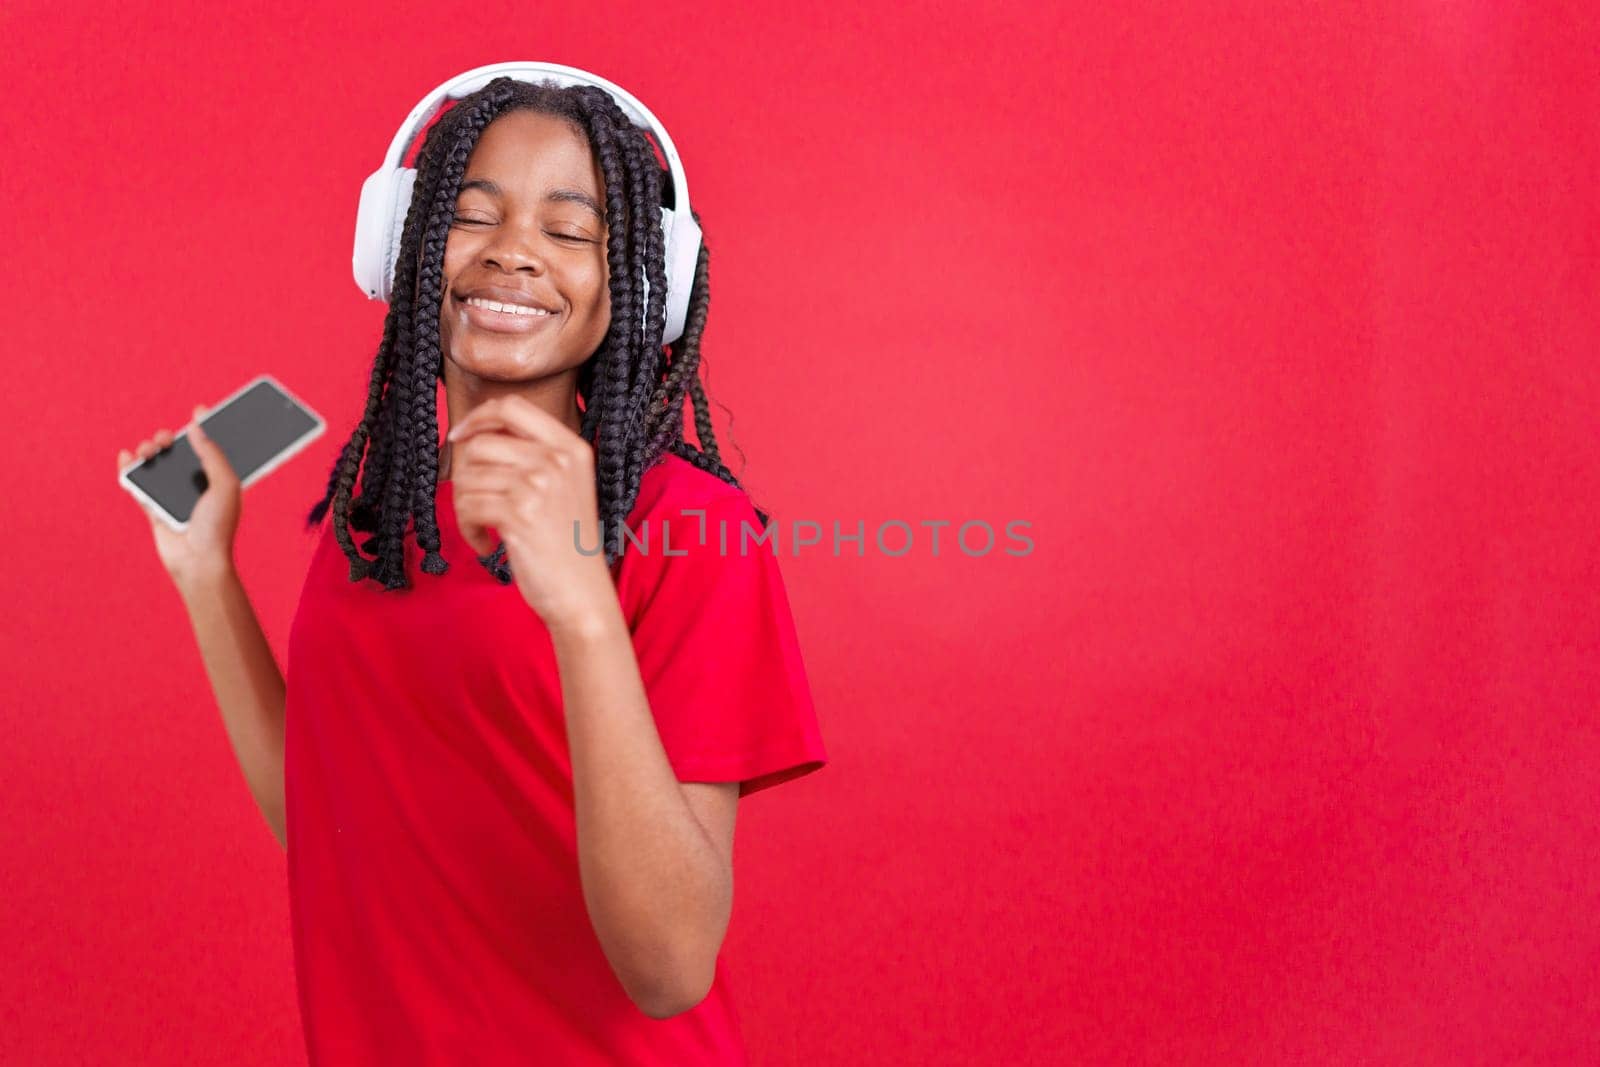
x: 682, y: 253
x: 405, y: 179
x: 367, y: 258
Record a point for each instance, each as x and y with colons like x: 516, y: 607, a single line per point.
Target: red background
x: 1277, y: 322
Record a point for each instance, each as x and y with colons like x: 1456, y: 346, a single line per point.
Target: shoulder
x: 672, y: 485
x: 688, y: 531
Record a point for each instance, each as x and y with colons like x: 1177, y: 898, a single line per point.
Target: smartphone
x: 258, y: 427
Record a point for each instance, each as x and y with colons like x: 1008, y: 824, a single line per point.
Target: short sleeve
x: 717, y: 649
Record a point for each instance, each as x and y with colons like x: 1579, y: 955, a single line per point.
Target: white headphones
x: 386, y: 194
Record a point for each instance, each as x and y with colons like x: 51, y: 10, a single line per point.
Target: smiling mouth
x: 505, y: 306
x: 499, y: 317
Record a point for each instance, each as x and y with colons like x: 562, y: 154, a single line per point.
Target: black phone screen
x: 253, y: 429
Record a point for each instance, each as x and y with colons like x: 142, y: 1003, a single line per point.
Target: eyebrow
x: 563, y: 195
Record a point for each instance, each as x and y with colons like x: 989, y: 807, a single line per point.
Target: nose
x: 515, y: 247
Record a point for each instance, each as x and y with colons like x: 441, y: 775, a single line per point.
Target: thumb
x: 212, y: 460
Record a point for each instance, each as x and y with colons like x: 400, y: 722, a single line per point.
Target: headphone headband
x: 386, y: 194
x: 464, y: 85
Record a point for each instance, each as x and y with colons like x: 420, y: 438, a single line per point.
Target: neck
x: 557, y: 394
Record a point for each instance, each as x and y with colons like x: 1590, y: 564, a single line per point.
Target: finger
x: 126, y: 461
x: 480, y: 514
x: 207, y: 450
x: 490, y: 477
x: 163, y: 438
x: 492, y: 448
x: 212, y: 460
x: 515, y: 415
x: 490, y: 497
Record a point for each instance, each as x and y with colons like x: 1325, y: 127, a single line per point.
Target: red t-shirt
x: 437, y: 911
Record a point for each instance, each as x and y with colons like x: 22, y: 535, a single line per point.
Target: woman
x: 508, y: 791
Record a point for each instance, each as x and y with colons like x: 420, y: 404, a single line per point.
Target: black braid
x: 396, y: 329
x: 664, y: 423
x: 647, y: 372
x: 631, y: 390
x: 624, y: 338
x: 422, y: 416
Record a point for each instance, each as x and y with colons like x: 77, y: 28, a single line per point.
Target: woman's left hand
x: 522, y: 471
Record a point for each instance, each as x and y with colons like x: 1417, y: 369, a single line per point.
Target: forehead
x: 527, y: 150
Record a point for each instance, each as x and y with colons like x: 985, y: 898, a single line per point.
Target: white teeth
x: 509, y: 309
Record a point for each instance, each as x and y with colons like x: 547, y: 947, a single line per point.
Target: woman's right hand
x: 203, y: 550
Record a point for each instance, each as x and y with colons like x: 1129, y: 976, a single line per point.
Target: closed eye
x: 561, y: 236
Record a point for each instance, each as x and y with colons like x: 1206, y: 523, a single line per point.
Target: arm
x: 248, y: 685
x: 658, y: 890
x: 658, y: 885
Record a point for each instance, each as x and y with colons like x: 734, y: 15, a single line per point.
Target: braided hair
x: 632, y: 388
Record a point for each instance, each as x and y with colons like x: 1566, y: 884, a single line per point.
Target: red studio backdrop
x: 1276, y: 323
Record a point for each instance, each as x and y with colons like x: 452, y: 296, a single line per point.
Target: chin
x: 502, y: 362
x: 506, y: 370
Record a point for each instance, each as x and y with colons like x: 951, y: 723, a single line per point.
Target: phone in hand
x: 258, y: 427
